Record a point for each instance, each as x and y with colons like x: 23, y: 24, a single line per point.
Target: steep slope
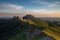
x: 27, y: 28
x: 52, y: 33
x: 35, y: 21
x: 49, y: 30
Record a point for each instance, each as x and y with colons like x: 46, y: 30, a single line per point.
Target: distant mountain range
x: 51, y: 19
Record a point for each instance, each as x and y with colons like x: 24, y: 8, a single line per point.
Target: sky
x: 38, y: 8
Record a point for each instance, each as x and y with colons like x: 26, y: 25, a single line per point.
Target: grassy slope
x: 20, y: 35
x: 51, y: 31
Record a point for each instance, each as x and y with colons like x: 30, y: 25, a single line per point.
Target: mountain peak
x: 28, y: 17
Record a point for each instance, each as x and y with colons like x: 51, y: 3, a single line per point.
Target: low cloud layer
x: 32, y: 13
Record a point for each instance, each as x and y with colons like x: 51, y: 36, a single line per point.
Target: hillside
x: 51, y: 30
x: 28, y: 28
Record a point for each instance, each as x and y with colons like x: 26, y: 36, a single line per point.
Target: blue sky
x: 30, y: 6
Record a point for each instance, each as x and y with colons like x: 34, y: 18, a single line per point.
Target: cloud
x: 11, y: 6
x: 15, y: 6
x: 46, y: 3
x: 53, y: 4
x: 41, y: 10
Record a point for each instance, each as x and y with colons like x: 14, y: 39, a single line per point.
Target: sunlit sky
x: 38, y: 8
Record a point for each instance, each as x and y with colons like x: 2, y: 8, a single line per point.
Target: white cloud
x: 52, y: 5
x: 12, y: 6
x: 41, y: 10
x: 34, y: 11
x: 15, y: 6
x: 46, y: 3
